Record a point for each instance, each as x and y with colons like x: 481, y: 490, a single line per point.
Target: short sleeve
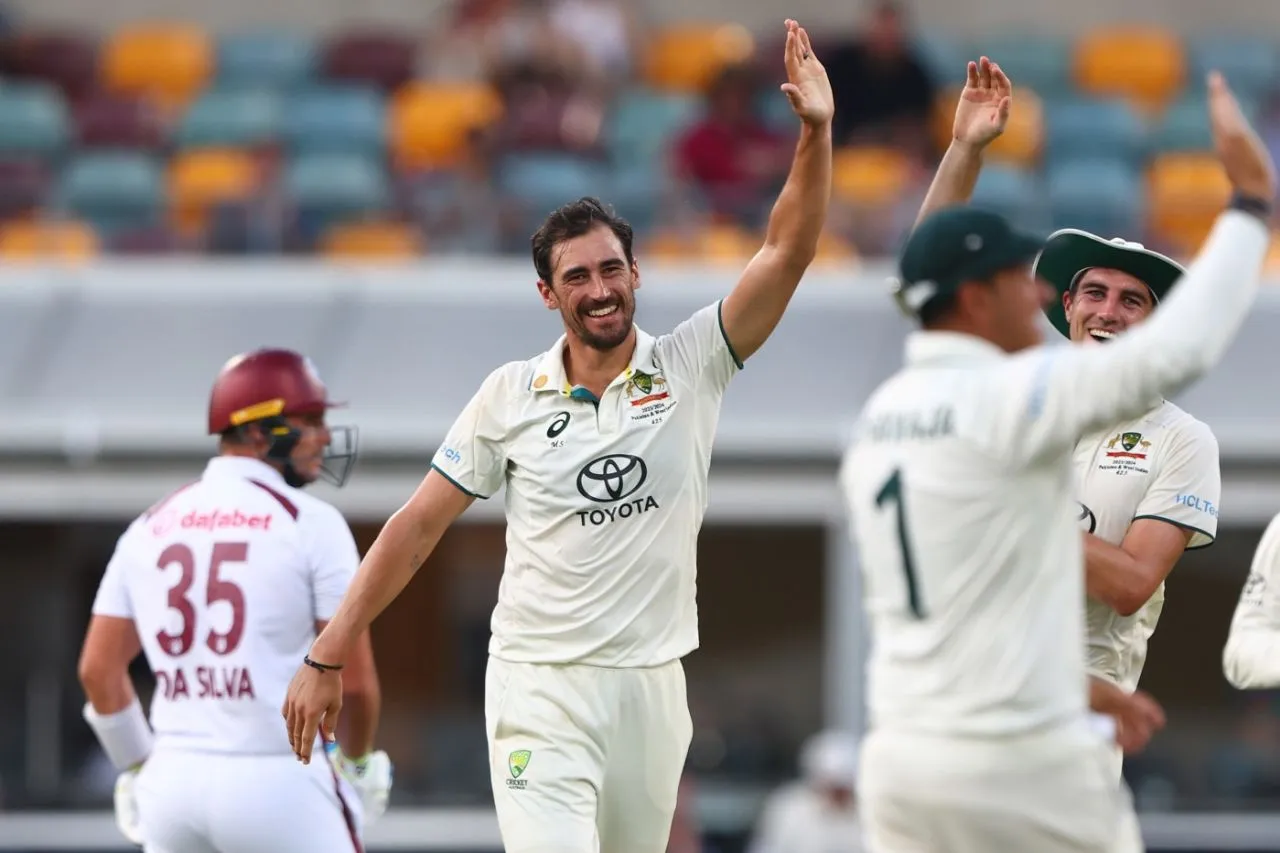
x: 332, y: 556
x: 473, y: 455
x: 699, y: 349
x: 112, y: 598
x: 1188, y: 485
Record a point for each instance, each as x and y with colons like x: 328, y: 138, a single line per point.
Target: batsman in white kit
x: 960, y: 486
x: 603, y: 444
x: 1149, y: 486
x: 223, y: 585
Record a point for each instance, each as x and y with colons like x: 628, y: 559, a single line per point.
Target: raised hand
x: 983, y: 109
x: 807, y: 86
x: 1244, y: 156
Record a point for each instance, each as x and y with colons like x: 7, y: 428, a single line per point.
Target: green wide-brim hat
x: 1070, y: 251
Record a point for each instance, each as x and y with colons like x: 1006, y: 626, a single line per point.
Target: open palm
x: 983, y: 110
x: 807, y: 86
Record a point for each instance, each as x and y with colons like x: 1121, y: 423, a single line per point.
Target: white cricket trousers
x: 1046, y: 792
x: 585, y: 759
x: 203, y: 802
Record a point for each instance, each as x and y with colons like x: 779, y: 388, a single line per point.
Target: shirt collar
x: 550, y: 376
x: 933, y: 347
x: 245, y: 468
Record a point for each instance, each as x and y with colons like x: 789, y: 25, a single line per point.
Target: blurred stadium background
x: 181, y: 180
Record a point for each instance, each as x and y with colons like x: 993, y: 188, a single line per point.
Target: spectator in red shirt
x: 730, y: 156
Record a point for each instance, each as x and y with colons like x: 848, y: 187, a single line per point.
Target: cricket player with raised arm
x: 1148, y: 486
x: 603, y: 444
x: 959, y: 481
x: 1251, y: 657
x: 223, y: 585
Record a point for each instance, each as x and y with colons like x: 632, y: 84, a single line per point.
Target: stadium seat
x: 687, y: 57
x: 46, y: 239
x: 1086, y: 127
x: 1250, y: 63
x: 1104, y: 196
x: 336, y: 119
x: 33, y: 120
x: 269, y: 59
x: 201, y: 178
x: 166, y: 63
x: 834, y: 250
x: 373, y: 240
x: 943, y: 58
x: 327, y: 187
x: 1185, y: 194
x: 116, y: 121
x: 642, y: 123
x: 1013, y: 192
x: 543, y: 182
x: 113, y: 190
x: 1184, y: 126
x: 869, y: 175
x: 148, y: 240
x: 430, y: 122
x: 713, y: 243
x: 382, y: 59
x: 1021, y: 143
x: 1146, y: 65
x: 231, y: 117
x: 66, y: 60
x: 1038, y: 62
x: 23, y: 185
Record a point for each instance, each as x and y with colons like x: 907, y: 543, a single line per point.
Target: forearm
x: 397, y: 553
x: 1251, y: 658
x: 358, y: 725
x: 799, y: 214
x: 1113, y: 576
x: 955, y: 179
x: 109, y: 694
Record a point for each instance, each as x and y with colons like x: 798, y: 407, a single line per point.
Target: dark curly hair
x: 573, y: 220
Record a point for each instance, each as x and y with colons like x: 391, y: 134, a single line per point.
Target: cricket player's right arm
x: 1052, y: 395
x: 470, y: 464
x: 1251, y: 657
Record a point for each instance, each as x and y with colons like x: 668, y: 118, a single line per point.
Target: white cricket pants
x: 1047, y: 792
x: 202, y: 802
x: 585, y: 759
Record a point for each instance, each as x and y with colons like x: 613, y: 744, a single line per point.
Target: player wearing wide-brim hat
x: 1070, y: 254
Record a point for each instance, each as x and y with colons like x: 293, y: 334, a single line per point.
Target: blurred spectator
x: 731, y: 156
x: 605, y: 33
x: 460, y: 209
x: 884, y: 94
x: 818, y: 812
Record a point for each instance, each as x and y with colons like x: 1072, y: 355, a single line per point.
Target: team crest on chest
x: 647, y: 396
x: 1126, y: 453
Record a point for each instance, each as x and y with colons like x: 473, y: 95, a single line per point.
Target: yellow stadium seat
x: 715, y: 243
x: 165, y: 63
x: 61, y: 239
x: 429, y: 122
x: 203, y: 177
x: 870, y: 175
x: 1185, y: 193
x: 1146, y: 65
x: 1023, y: 137
x: 687, y: 57
x: 834, y: 250
x: 371, y: 241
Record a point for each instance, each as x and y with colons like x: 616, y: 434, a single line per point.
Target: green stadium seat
x: 1103, y: 195
x: 1013, y: 192
x: 338, y: 118
x: 943, y: 57
x: 1040, y: 63
x: 329, y: 187
x: 270, y: 59
x: 114, y: 190
x: 642, y: 124
x: 1250, y: 63
x: 33, y: 120
x: 237, y: 118
x: 1094, y: 127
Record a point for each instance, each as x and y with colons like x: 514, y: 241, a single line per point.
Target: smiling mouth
x: 602, y: 312
x: 1101, y: 335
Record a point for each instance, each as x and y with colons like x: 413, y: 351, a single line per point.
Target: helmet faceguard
x: 339, y: 453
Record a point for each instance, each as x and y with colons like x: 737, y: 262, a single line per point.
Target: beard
x: 616, y: 329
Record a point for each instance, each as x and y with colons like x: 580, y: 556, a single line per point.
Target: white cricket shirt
x: 604, y: 499
x: 959, y: 484
x: 1251, y: 657
x: 1163, y: 465
x: 225, y: 580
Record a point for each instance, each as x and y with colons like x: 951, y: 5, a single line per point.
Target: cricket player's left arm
x: 1251, y: 657
x: 754, y: 308
x: 1178, y: 512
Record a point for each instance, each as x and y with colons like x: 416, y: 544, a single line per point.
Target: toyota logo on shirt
x: 612, y: 478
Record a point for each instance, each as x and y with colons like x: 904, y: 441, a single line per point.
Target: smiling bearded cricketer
x: 1148, y: 487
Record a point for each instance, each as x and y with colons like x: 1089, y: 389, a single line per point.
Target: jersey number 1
x: 217, y: 589
x: 891, y: 492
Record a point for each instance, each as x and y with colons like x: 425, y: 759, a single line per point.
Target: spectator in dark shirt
x: 884, y: 94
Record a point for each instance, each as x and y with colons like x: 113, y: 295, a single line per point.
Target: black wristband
x: 323, y: 667
x: 1258, y: 207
